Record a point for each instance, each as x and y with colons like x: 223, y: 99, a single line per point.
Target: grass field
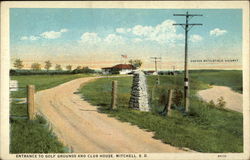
x: 231, y: 78
x: 34, y: 136
x: 204, y: 129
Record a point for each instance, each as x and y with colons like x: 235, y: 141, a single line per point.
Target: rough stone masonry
x: 139, y: 94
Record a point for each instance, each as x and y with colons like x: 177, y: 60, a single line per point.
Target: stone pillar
x: 139, y: 94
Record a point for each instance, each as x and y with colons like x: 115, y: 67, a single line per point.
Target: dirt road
x: 234, y: 100
x: 80, y: 126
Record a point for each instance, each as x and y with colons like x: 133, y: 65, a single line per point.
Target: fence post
x: 169, y: 102
x: 114, y: 94
x: 30, y: 100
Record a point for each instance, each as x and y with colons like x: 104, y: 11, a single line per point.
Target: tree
x: 58, y: 67
x: 18, y: 64
x: 136, y: 63
x: 83, y: 70
x: 78, y: 67
x: 47, y: 65
x: 87, y: 70
x: 36, y: 66
x: 69, y: 67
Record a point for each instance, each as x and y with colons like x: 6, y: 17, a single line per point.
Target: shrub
x: 221, y: 102
x: 177, y: 97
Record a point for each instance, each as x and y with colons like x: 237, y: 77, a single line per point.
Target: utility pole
x: 173, y: 70
x: 187, y: 26
x: 156, y: 59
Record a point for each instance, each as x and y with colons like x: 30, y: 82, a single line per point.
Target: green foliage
x: 78, y: 67
x: 29, y: 72
x: 135, y: 62
x: 69, y: 67
x: 83, y: 70
x: 48, y: 64
x: 58, y: 67
x: 33, y: 137
x: 231, y: 78
x: 41, y: 82
x: 36, y: 66
x: 177, y: 97
x: 18, y: 64
x: 221, y: 102
x: 115, y: 71
x: 205, y: 128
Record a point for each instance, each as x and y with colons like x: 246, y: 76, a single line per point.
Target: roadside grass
x: 42, y: 82
x: 34, y: 136
x: 230, y: 78
x: 204, y: 129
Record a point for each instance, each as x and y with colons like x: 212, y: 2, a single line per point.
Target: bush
x: 221, y: 102
x: 36, y: 72
x: 83, y: 70
x: 177, y: 97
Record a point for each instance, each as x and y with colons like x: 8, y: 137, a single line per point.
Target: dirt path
x: 80, y: 126
x: 234, y: 100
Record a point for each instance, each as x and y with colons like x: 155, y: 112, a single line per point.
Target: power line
x: 187, y: 26
x: 156, y: 59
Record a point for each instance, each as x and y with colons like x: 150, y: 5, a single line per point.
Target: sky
x: 98, y: 37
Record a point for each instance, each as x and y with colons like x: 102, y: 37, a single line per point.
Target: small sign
x: 13, y: 85
x: 186, y: 83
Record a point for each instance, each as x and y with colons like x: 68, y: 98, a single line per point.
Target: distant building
x: 119, y: 69
x: 150, y: 73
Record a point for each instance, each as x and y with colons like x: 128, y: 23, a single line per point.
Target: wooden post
x: 30, y: 100
x: 169, y: 102
x: 114, y: 94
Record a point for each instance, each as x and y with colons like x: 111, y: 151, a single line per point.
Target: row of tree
x: 37, y: 66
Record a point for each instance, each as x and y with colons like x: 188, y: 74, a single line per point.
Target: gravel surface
x: 234, y: 100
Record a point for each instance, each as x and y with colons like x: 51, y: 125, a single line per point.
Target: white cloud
x: 31, y: 38
x: 161, y: 33
x: 113, y: 38
x: 129, y: 30
x: 34, y: 38
x: 120, y: 30
x: 53, y: 34
x: 217, y: 32
x: 64, y: 30
x: 46, y: 35
x: 165, y: 33
x: 142, y: 30
x: 123, y: 30
x: 195, y: 38
x: 90, y: 38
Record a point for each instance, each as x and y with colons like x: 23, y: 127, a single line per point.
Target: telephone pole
x: 187, y: 26
x: 156, y: 59
x: 173, y: 69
